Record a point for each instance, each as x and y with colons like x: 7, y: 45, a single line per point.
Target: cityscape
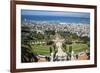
x: 46, y: 37
x: 41, y: 26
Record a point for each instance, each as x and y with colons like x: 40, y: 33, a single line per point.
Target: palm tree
x: 27, y: 55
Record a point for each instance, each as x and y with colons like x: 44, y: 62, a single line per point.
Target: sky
x: 55, y: 13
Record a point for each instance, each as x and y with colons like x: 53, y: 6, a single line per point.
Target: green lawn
x: 78, y: 47
x: 40, y: 49
x: 44, y: 50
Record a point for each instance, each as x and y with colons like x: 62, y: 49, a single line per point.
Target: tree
x: 70, y: 49
x: 68, y: 42
x: 50, y: 49
x: 50, y: 42
x: 85, y: 39
x: 40, y: 36
x: 64, y: 46
x: 27, y: 55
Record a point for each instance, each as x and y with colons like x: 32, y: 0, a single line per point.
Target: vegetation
x: 40, y: 49
x: 27, y: 55
x: 30, y: 51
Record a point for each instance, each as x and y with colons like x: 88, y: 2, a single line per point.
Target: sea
x: 56, y: 18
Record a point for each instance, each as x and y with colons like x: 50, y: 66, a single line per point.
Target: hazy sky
x: 55, y: 13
